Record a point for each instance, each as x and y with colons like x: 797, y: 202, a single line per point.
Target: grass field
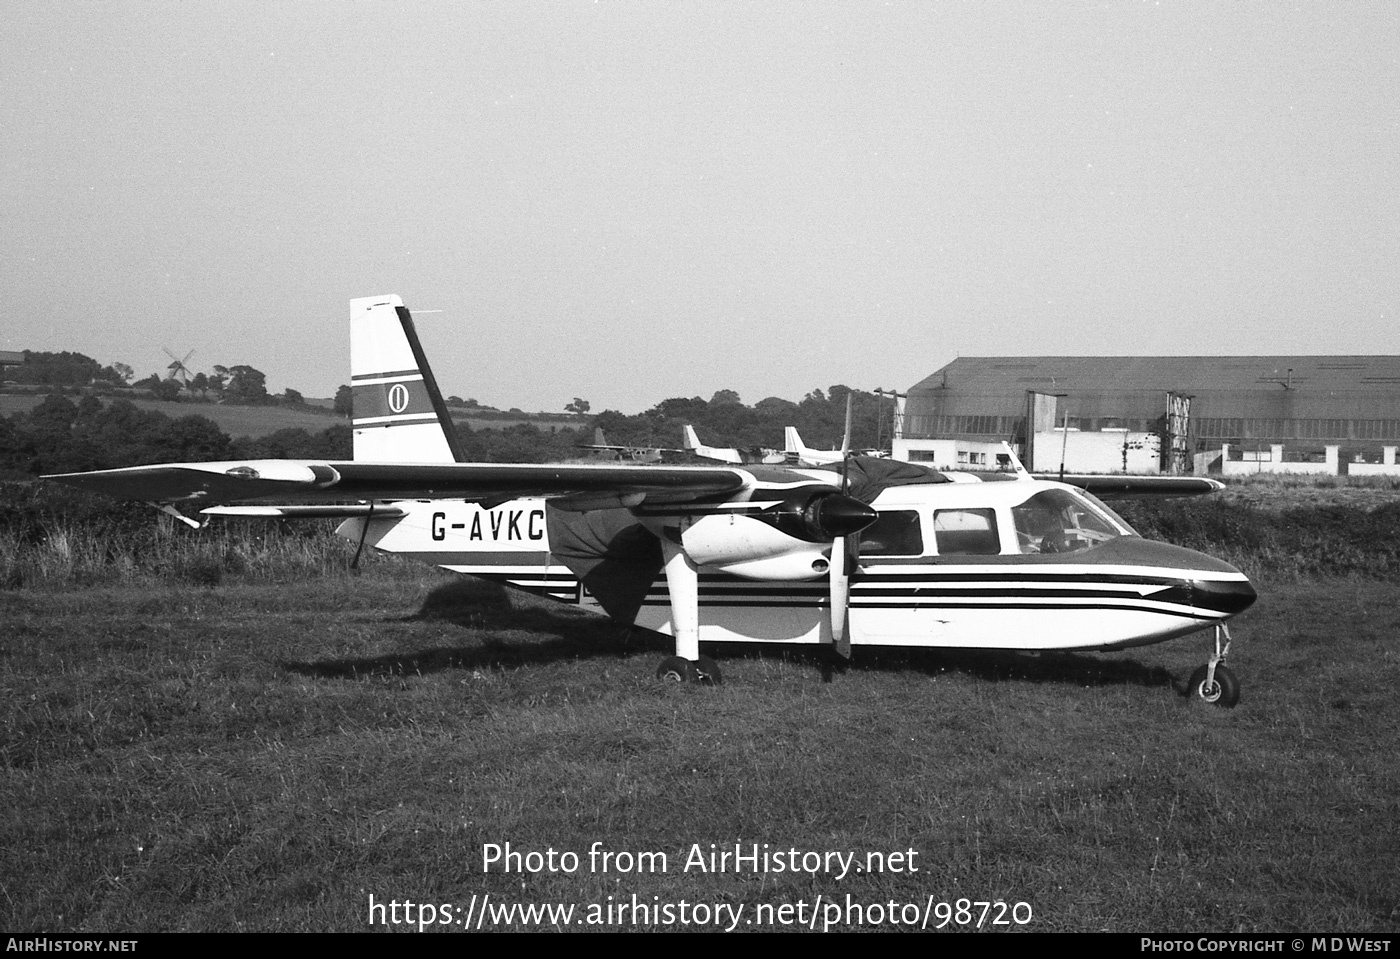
x: 270, y: 755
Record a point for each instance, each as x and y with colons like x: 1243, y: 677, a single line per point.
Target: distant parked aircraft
x: 726, y: 454
x: 635, y: 454
x: 800, y: 454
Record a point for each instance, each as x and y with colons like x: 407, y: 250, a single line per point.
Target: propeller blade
x: 846, y: 449
x: 840, y: 598
x: 846, y: 437
x: 846, y: 517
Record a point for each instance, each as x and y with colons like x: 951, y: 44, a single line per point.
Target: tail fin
x: 398, y: 412
x: 598, y: 438
x: 1014, y: 461
x: 692, y: 442
x: 792, y: 443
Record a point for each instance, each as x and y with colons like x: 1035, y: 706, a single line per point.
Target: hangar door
x: 1176, y: 444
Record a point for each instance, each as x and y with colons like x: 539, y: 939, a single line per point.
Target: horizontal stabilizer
x: 327, y: 511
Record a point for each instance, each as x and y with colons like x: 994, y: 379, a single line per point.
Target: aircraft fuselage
x: 956, y: 565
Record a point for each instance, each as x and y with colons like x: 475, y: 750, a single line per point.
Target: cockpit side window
x: 966, y: 532
x: 896, y: 533
x: 1057, y: 521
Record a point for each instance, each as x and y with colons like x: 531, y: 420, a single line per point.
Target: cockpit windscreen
x: 1063, y: 521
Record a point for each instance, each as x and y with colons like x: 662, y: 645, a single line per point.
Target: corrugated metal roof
x: 1351, y: 398
x: 1185, y: 374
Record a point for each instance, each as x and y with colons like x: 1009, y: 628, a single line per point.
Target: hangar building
x: 1159, y: 414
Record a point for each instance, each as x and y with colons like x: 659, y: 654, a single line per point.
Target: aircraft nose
x: 1201, y: 580
x: 1225, y: 596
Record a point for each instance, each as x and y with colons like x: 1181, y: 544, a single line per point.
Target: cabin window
x: 896, y: 533
x: 1057, y: 521
x: 966, y: 532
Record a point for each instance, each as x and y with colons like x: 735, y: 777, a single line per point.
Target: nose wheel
x: 1216, y: 683
x: 1222, y: 689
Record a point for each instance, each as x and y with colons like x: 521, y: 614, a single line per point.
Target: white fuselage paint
x: 1004, y: 602
x: 1014, y: 618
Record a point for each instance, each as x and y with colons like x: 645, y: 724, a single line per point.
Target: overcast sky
x: 626, y: 202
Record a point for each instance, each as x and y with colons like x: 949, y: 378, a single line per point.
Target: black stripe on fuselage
x: 564, y: 590
x: 1207, y: 599
x: 1125, y: 604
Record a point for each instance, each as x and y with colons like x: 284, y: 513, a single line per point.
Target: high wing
x: 1123, y: 486
x: 199, y: 485
x: 1119, y: 485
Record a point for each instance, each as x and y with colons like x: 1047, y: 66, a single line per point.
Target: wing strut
x: 172, y: 511
x: 364, y: 531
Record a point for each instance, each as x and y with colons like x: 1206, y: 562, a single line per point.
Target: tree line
x: 724, y: 420
x: 60, y: 435
x: 240, y: 384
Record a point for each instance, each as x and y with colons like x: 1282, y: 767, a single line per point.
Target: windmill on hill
x: 178, y: 369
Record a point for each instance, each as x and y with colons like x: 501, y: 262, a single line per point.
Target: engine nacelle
x: 752, y: 548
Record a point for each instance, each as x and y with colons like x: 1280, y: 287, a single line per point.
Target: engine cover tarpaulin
x: 613, y: 555
x: 871, y: 476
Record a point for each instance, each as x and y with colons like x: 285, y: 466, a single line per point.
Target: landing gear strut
x: 683, y: 580
x: 1214, y: 682
x: 704, y: 670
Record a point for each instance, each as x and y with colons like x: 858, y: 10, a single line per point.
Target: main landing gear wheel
x: 707, y: 672
x: 1224, y: 691
x: 674, y: 669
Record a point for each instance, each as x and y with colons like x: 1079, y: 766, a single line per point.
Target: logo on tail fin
x: 398, y: 412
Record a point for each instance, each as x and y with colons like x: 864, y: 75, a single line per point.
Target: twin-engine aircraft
x: 874, y: 552
x: 626, y: 454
